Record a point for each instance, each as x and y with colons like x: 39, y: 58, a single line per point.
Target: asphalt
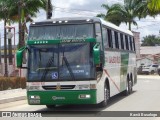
x: 12, y: 95
x: 20, y: 94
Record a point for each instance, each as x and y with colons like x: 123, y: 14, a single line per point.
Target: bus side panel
x: 112, y: 70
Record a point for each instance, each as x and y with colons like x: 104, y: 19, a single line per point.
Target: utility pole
x: 20, y: 22
x: 48, y: 9
x: 10, y: 45
x: 5, y: 51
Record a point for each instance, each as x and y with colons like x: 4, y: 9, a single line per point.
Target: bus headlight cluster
x: 83, y: 87
x: 87, y: 87
x: 34, y: 97
x: 33, y: 88
x: 84, y: 96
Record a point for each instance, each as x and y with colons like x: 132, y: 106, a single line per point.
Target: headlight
x: 84, y: 96
x: 31, y: 88
x: 34, y: 97
x: 83, y: 87
x: 87, y: 87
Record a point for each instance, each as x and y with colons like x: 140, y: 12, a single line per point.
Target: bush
x: 12, y: 83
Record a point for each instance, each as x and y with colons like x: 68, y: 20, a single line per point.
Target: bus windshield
x: 61, y: 32
x: 60, y: 62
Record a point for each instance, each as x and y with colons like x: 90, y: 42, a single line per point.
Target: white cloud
x: 69, y: 8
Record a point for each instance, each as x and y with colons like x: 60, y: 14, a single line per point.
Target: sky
x: 79, y: 8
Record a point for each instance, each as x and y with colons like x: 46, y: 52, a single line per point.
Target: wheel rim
x: 130, y: 86
x: 105, y: 94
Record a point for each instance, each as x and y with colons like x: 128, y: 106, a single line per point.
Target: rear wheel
x: 128, y: 87
x: 106, y: 97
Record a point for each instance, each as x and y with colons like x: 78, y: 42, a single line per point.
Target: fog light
x: 34, y: 97
x: 84, y: 96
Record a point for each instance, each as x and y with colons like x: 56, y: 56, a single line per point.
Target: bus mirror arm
x: 19, y: 57
x: 96, y: 54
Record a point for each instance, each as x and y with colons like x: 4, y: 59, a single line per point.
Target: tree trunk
x: 5, y: 51
x: 129, y: 25
x: 10, y: 48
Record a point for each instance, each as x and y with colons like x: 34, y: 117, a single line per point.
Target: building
x: 145, y: 61
x: 137, y: 43
x: 151, y: 52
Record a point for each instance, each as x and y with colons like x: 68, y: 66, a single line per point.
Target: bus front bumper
x: 61, y: 97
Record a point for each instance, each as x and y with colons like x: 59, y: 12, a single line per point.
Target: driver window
x: 98, y: 33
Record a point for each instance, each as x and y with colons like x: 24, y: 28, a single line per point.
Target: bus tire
x: 106, y: 97
x: 128, y: 88
x: 50, y: 106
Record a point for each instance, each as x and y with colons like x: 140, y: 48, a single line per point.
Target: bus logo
x: 58, y: 87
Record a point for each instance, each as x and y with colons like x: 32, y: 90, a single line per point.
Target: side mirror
x: 19, y: 56
x: 96, y: 53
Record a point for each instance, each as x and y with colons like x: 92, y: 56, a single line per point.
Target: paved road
x: 145, y: 97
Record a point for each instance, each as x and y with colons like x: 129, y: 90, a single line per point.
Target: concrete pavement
x: 12, y: 95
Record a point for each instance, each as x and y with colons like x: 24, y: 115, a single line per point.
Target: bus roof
x: 70, y: 20
x: 115, y: 27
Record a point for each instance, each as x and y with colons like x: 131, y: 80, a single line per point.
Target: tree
x: 150, y: 40
x: 126, y: 13
x: 153, y: 6
x: 5, y: 12
x: 9, y: 12
x: 28, y: 9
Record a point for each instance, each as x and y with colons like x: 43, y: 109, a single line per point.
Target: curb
x: 7, y: 100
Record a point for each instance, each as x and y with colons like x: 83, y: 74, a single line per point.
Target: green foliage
x: 124, y: 13
x: 154, y: 7
x: 150, y: 40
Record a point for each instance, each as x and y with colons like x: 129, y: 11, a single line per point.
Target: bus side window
x: 129, y: 47
x: 105, y: 37
x: 116, y: 40
x: 119, y: 40
x: 113, y: 39
x: 130, y: 39
x: 126, y: 40
x: 122, y: 42
x: 98, y: 34
x: 134, y: 48
x: 110, y: 44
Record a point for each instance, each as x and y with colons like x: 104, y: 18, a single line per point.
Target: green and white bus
x: 78, y: 61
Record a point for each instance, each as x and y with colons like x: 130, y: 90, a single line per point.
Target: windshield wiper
x: 50, y: 61
x: 68, y: 66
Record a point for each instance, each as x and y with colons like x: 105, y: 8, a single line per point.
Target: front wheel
x: 106, y: 97
x: 50, y: 106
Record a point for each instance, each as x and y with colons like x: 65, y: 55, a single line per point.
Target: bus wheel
x: 50, y: 106
x: 128, y: 88
x: 106, y: 97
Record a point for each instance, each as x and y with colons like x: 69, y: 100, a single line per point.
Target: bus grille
x: 55, y: 87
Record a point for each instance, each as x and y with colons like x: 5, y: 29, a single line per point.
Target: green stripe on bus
x: 123, y: 71
x: 57, y: 41
x: 62, y: 97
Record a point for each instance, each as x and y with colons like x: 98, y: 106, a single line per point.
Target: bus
x: 77, y: 61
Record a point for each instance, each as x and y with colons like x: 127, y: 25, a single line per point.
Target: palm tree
x: 126, y: 13
x: 29, y: 9
x: 153, y: 6
x: 9, y: 12
x: 4, y: 15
